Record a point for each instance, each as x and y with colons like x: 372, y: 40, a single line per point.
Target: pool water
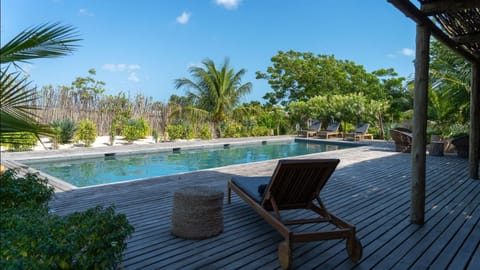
x: 103, y: 170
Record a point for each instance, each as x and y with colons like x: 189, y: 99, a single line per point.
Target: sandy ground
x: 101, y: 141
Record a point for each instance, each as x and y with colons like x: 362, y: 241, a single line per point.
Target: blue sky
x: 142, y: 46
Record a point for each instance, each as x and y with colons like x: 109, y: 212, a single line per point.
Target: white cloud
x: 184, y: 18
x: 110, y: 67
x: 133, y: 77
x: 228, y: 4
x: 391, y: 55
x: 120, y: 67
x: 85, y: 12
x: 133, y: 67
x: 407, y: 52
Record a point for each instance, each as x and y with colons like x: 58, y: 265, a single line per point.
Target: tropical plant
x: 33, y: 238
x: 21, y: 141
x: 86, y: 132
x: 205, y: 133
x: 299, y: 76
x: 135, y: 129
x: 215, y: 91
x: 17, y: 99
x: 64, y: 130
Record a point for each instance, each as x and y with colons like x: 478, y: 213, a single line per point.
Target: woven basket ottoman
x: 197, y: 212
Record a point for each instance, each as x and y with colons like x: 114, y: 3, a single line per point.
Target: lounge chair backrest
x: 316, y: 126
x: 295, y: 183
x: 333, y: 126
x: 362, y: 128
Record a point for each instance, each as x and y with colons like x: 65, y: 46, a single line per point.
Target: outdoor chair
x: 461, y: 143
x: 402, y: 138
x: 360, y: 133
x: 312, y: 131
x: 295, y: 185
x: 332, y: 130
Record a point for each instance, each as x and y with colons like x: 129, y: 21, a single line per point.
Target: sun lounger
x: 360, y: 133
x: 294, y: 185
x: 312, y: 131
x: 332, y: 130
x: 402, y: 138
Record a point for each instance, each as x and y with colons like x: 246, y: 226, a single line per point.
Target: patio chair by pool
x: 332, y: 130
x: 402, y: 138
x: 295, y: 185
x: 360, y: 133
x: 312, y: 131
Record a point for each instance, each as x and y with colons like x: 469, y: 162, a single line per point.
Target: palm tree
x: 215, y: 91
x: 17, y: 98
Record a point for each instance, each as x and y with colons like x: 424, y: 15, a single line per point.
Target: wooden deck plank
x: 370, y: 189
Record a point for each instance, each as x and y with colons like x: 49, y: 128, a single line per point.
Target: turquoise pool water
x: 103, y: 170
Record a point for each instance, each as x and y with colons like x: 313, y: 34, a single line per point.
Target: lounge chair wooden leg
x: 354, y: 249
x: 285, y: 255
x: 229, y: 195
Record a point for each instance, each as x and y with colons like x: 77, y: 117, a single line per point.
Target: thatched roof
x: 455, y: 23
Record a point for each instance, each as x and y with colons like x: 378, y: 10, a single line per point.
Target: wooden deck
x: 370, y: 188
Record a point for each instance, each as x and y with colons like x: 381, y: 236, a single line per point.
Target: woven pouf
x: 197, y: 212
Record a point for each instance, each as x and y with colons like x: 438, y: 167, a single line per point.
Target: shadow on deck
x: 372, y: 193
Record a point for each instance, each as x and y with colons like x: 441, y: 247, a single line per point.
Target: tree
x: 297, y: 76
x: 215, y: 91
x: 450, y: 78
x: 17, y: 99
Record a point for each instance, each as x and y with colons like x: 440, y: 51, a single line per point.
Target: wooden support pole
x: 474, y: 143
x: 419, y: 142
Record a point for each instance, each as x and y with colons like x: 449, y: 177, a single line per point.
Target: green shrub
x: 86, y: 132
x: 135, y: 129
x: 64, y: 130
x: 260, y: 131
x: 205, y: 133
x: 34, y: 239
x: 180, y: 131
x: 24, y: 141
x: 155, y: 135
x: 232, y: 130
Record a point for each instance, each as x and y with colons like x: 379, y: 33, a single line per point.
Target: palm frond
x: 44, y: 41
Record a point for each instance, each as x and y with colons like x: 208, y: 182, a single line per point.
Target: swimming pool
x: 112, y: 169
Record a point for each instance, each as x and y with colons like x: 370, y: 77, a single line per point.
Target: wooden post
x: 419, y: 141
x: 474, y: 143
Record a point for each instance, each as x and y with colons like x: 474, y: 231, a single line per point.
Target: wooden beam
x: 466, y: 39
x: 474, y: 143
x: 419, y: 142
x: 448, y: 6
x: 419, y: 17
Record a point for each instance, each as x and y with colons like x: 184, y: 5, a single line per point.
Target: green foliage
x: 135, y: 129
x: 34, y: 239
x: 23, y: 192
x: 86, y: 132
x: 179, y: 131
x: 16, y: 97
x: 261, y: 131
x: 64, y: 130
x: 231, y: 130
x: 457, y: 130
x: 21, y: 141
x: 214, y: 92
x: 155, y: 135
x: 297, y: 76
x: 205, y: 132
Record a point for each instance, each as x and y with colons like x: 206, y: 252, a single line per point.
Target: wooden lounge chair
x: 402, y: 138
x: 332, y: 130
x: 360, y: 133
x: 295, y: 184
x: 461, y: 143
x: 312, y: 131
